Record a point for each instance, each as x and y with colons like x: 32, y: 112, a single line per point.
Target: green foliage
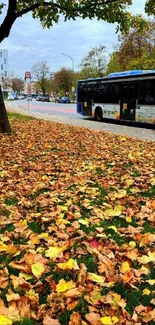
x: 150, y: 7
x: 49, y: 12
x: 113, y: 64
x: 95, y: 62
x: 41, y: 72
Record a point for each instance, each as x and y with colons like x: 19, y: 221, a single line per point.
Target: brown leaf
x: 75, y: 319
x: 50, y: 321
x: 93, y: 318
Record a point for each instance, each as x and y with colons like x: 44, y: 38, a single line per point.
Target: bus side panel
x: 111, y: 111
x: 79, y: 108
x: 145, y: 114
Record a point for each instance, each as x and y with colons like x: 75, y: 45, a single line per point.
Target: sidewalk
x: 140, y: 133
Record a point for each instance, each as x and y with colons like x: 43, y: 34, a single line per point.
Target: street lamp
x: 71, y: 59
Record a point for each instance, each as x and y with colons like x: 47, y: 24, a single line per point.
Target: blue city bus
x: 125, y: 96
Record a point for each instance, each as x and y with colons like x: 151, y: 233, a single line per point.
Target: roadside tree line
x: 135, y: 50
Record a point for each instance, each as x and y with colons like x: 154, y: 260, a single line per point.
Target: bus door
x: 129, y: 100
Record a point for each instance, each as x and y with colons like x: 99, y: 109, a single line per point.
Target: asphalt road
x: 67, y: 110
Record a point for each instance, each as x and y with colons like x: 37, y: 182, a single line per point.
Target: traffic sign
x: 27, y: 75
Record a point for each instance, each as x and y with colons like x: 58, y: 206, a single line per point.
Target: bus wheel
x: 98, y: 114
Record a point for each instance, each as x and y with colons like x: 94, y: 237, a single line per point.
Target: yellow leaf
x: 3, y: 247
x: 146, y: 292
x: 152, y: 181
x: 37, y: 269
x: 43, y: 235
x: 113, y: 227
x: 5, y: 320
x: 25, y: 276
x: 144, y: 259
x: 107, y: 320
x: 132, y: 244
x: 95, y: 278
x: 62, y: 221
x: 64, y: 208
x: 84, y: 222
x: 130, y: 156
x: 115, y: 319
x: 118, y: 210
x: 129, y: 182
x: 44, y: 177
x: 70, y: 265
x: 53, y: 252
x: 151, y: 282
x: 128, y: 219
x: 125, y: 267
x: 120, y: 194
x: 63, y: 286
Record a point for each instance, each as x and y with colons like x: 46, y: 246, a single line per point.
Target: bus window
x: 82, y: 92
x: 112, y: 93
x: 147, y: 92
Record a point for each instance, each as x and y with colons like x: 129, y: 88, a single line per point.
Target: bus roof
x: 119, y: 75
x: 129, y: 73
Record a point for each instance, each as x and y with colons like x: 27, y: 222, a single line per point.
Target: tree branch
x: 37, y: 5
x: 12, y: 5
x: 8, y: 20
x: 48, y: 4
x: 13, y: 14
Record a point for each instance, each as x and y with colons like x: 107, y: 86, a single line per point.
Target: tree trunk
x: 4, y: 122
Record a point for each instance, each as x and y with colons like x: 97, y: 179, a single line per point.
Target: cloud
x: 29, y: 43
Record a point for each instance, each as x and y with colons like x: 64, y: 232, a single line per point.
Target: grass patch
x: 11, y: 201
x: 19, y: 116
x: 26, y: 321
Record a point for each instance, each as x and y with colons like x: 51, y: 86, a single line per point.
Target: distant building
x: 3, y: 65
x: 33, y: 88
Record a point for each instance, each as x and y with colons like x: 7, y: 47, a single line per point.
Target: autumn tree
x: 95, y: 61
x: 64, y: 80
x: 136, y: 50
x: 41, y: 73
x: 17, y: 84
x: 49, y: 13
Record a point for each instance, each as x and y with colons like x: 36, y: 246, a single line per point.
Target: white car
x: 10, y: 97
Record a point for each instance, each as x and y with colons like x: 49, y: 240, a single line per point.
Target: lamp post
x: 72, y: 70
x: 71, y: 59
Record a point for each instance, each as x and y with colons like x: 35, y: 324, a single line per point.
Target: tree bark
x: 4, y: 122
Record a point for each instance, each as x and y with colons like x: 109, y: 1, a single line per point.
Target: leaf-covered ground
x: 77, y: 227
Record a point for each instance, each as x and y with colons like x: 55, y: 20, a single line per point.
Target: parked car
x: 39, y: 98
x: 10, y: 97
x: 45, y: 98
x: 62, y: 100
x: 29, y: 98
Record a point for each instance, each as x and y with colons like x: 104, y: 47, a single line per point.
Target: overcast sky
x: 29, y: 43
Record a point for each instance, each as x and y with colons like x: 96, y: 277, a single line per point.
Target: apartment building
x: 3, y: 64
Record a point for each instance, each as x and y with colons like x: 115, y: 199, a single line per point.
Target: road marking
x: 50, y: 108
